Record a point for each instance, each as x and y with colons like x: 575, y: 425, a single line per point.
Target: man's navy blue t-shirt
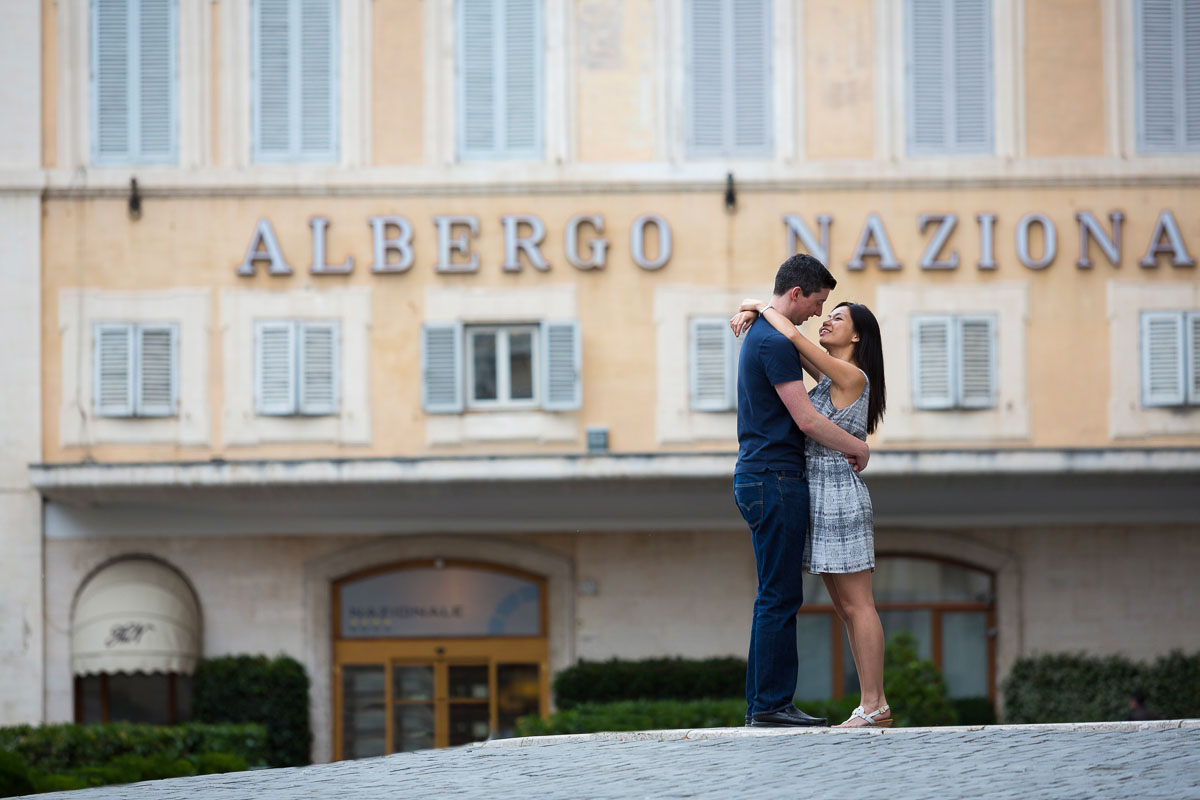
x: 768, y: 438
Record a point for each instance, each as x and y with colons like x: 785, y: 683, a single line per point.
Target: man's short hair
x: 804, y: 271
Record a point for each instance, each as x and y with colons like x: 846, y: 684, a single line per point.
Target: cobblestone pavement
x: 1129, y: 760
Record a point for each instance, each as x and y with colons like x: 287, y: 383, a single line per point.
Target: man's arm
x: 819, y: 427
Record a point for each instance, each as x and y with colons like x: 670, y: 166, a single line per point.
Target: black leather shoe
x: 790, y: 717
x: 747, y: 720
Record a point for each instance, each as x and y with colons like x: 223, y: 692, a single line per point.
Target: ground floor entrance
x: 475, y: 659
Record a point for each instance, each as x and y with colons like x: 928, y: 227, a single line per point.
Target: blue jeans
x: 775, y: 506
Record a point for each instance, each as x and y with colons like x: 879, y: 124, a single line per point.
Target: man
x: 774, y: 415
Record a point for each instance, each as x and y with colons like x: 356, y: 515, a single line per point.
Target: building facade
x: 391, y: 335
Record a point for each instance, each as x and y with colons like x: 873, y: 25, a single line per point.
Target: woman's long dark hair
x: 868, y: 354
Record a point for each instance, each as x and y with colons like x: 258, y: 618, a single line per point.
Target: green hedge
x: 273, y: 692
x: 652, y: 679
x: 55, y: 748
x: 1082, y: 688
x: 54, y: 758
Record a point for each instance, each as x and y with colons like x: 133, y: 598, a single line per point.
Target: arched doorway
x: 434, y: 654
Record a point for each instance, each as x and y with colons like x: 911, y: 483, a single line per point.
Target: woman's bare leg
x: 831, y: 587
x: 858, y: 604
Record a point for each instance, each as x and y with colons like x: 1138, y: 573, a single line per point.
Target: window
x: 296, y: 368
x: 499, y: 79
x: 136, y: 370
x: 1170, y: 358
x: 953, y: 361
x: 728, y: 84
x: 295, y: 92
x: 1167, y: 46
x: 528, y: 366
x: 158, y: 698
x: 949, y: 76
x: 714, y: 352
x: 949, y: 608
x: 135, y: 87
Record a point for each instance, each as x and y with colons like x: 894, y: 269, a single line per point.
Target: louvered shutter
x: 441, y: 367
x: 932, y: 362
x: 1190, y: 30
x: 113, y: 360
x: 561, y: 359
x: 318, y: 367
x: 157, y: 371
x: 134, y: 81
x: 275, y: 368
x: 977, y: 362
x: 729, y: 77
x: 1163, y: 379
x: 711, y: 356
x: 950, y: 76
x: 500, y: 79
x: 1193, y: 364
x: 707, y: 75
x: 1157, y: 76
x: 295, y: 80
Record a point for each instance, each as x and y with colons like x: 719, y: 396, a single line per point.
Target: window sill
x: 474, y: 427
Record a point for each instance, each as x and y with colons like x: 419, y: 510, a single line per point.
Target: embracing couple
x: 797, y: 483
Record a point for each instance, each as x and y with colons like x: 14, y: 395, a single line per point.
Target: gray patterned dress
x: 841, y: 534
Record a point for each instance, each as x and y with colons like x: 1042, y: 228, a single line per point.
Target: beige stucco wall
x: 839, y: 58
x: 397, y: 97
x: 198, y: 243
x: 1064, y: 78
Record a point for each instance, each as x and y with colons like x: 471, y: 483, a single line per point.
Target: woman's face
x: 837, y: 330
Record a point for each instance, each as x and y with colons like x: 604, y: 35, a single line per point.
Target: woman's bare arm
x: 816, y: 361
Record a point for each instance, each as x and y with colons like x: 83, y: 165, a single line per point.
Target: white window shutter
x: 1157, y: 70
x: 711, y: 354
x: 1193, y: 365
x: 977, y: 352
x: 442, y: 367
x: 1190, y: 69
x: 275, y: 368
x: 522, y: 78
x: 750, y: 110
x: 477, y: 100
x: 317, y: 92
x: 972, y: 87
x: 157, y: 370
x: 707, y: 71
x: 562, y: 352
x: 1163, y: 382
x: 295, y: 55
x: 318, y: 376
x: 928, y: 93
x: 111, y: 104
x: 156, y: 93
x: 932, y: 362
x: 113, y: 370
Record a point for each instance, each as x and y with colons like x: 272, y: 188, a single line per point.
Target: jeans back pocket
x: 749, y: 496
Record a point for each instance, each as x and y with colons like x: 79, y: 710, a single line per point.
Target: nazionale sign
x: 587, y: 249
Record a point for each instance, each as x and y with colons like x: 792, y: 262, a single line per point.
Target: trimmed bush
x: 61, y: 748
x: 915, y: 689
x: 1083, y: 688
x: 14, y: 775
x: 637, y: 715
x: 273, y: 692
x: 652, y: 679
x: 974, y: 710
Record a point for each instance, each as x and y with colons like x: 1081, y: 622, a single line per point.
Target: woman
x: 841, y: 547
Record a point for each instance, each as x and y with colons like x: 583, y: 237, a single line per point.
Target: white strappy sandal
x: 870, y: 719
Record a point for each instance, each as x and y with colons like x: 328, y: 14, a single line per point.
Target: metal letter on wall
x: 460, y: 244
x: 638, y: 246
x: 946, y: 223
x: 514, y: 242
x: 1166, y: 226
x: 318, y: 266
x: 1050, y: 246
x: 987, y: 248
x: 382, y: 245
x: 874, y: 230
x: 264, y: 237
x: 1089, y: 228
x: 599, y: 245
x: 798, y: 230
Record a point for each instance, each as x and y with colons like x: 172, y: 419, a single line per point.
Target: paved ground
x: 1105, y: 760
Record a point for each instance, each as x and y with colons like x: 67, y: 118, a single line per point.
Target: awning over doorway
x: 135, y: 615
